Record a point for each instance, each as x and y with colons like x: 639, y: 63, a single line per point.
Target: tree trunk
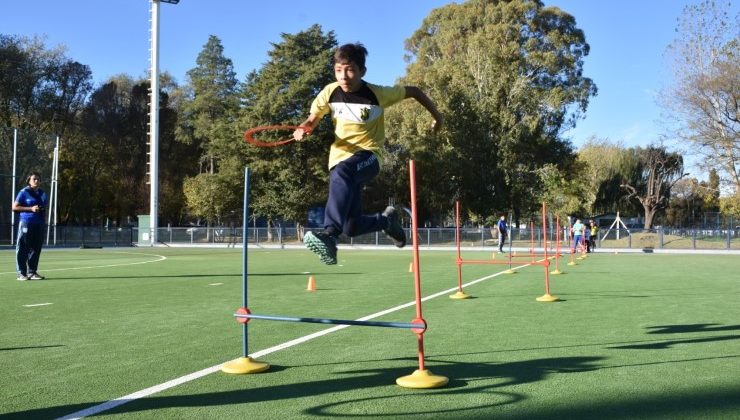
x: 649, y: 215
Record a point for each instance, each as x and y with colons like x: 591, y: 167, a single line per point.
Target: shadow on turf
x: 29, y: 347
x: 680, y: 329
x: 691, y: 328
x: 697, y: 404
x: 462, y: 376
x: 670, y: 343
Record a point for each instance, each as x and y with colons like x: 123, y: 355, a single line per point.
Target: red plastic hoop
x: 249, y: 135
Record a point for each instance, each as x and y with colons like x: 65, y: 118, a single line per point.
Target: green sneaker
x: 323, y: 245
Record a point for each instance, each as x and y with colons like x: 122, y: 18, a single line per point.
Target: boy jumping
x: 357, y: 110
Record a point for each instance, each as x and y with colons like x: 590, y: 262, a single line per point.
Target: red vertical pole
x: 417, y: 271
x: 557, y: 243
x: 457, y: 244
x: 544, y: 238
x: 531, y: 241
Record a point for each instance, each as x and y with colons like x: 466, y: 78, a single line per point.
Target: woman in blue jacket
x: 30, y: 203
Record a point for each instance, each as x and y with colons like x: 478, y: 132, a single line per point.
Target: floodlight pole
x: 154, y: 123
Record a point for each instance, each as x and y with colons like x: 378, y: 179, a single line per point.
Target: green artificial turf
x: 634, y: 336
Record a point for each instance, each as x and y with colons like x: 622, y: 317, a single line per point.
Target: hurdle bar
x: 545, y: 262
x: 420, y: 378
x: 246, y: 316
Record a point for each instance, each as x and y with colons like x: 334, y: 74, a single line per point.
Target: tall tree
x: 209, y: 114
x: 41, y: 93
x: 651, y: 184
x: 179, y: 159
x: 291, y: 179
x: 704, y: 96
x: 512, y: 71
x: 109, y: 155
x: 40, y: 88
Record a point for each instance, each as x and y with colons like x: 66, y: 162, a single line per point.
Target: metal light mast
x: 154, y: 121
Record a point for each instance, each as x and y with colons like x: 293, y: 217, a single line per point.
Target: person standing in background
x: 594, y: 234
x: 30, y: 203
x: 577, y: 231
x: 502, y: 233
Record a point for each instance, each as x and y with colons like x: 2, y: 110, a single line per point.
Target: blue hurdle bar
x: 408, y: 325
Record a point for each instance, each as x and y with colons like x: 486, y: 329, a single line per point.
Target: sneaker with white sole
x: 35, y: 276
x: 323, y: 245
x: 394, y: 230
x: 22, y: 277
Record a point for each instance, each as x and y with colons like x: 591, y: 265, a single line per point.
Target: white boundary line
x: 159, y: 258
x: 207, y: 371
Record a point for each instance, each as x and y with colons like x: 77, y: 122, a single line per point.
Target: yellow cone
x: 547, y: 298
x: 244, y: 365
x: 422, y: 379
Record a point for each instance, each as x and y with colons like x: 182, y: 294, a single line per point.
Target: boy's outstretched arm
x: 423, y: 99
x: 310, y: 123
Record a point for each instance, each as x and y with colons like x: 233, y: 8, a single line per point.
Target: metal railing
x: 662, y: 238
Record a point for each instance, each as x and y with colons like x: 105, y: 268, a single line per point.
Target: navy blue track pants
x: 344, y: 206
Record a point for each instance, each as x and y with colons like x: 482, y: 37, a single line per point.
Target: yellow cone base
x: 509, y: 271
x: 422, y: 379
x: 556, y: 272
x: 460, y: 295
x: 572, y: 263
x: 244, y: 365
x: 548, y: 298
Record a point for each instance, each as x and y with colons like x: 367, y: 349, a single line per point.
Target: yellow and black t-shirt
x: 357, y: 117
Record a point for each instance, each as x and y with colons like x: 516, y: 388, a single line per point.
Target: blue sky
x: 628, y: 39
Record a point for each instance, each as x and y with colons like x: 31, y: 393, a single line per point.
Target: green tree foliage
x: 563, y: 196
x: 691, y: 199
x: 41, y: 94
x: 288, y: 180
x: 209, y: 113
x: 730, y: 206
x: 40, y: 89
x: 509, y: 76
x: 207, y: 119
x: 605, y: 165
x: 105, y: 160
x: 209, y: 196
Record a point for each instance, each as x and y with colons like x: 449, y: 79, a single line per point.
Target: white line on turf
x: 159, y: 258
x: 215, y: 284
x: 207, y: 371
x: 37, y: 304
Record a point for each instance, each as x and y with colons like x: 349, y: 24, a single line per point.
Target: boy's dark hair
x: 351, y: 53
